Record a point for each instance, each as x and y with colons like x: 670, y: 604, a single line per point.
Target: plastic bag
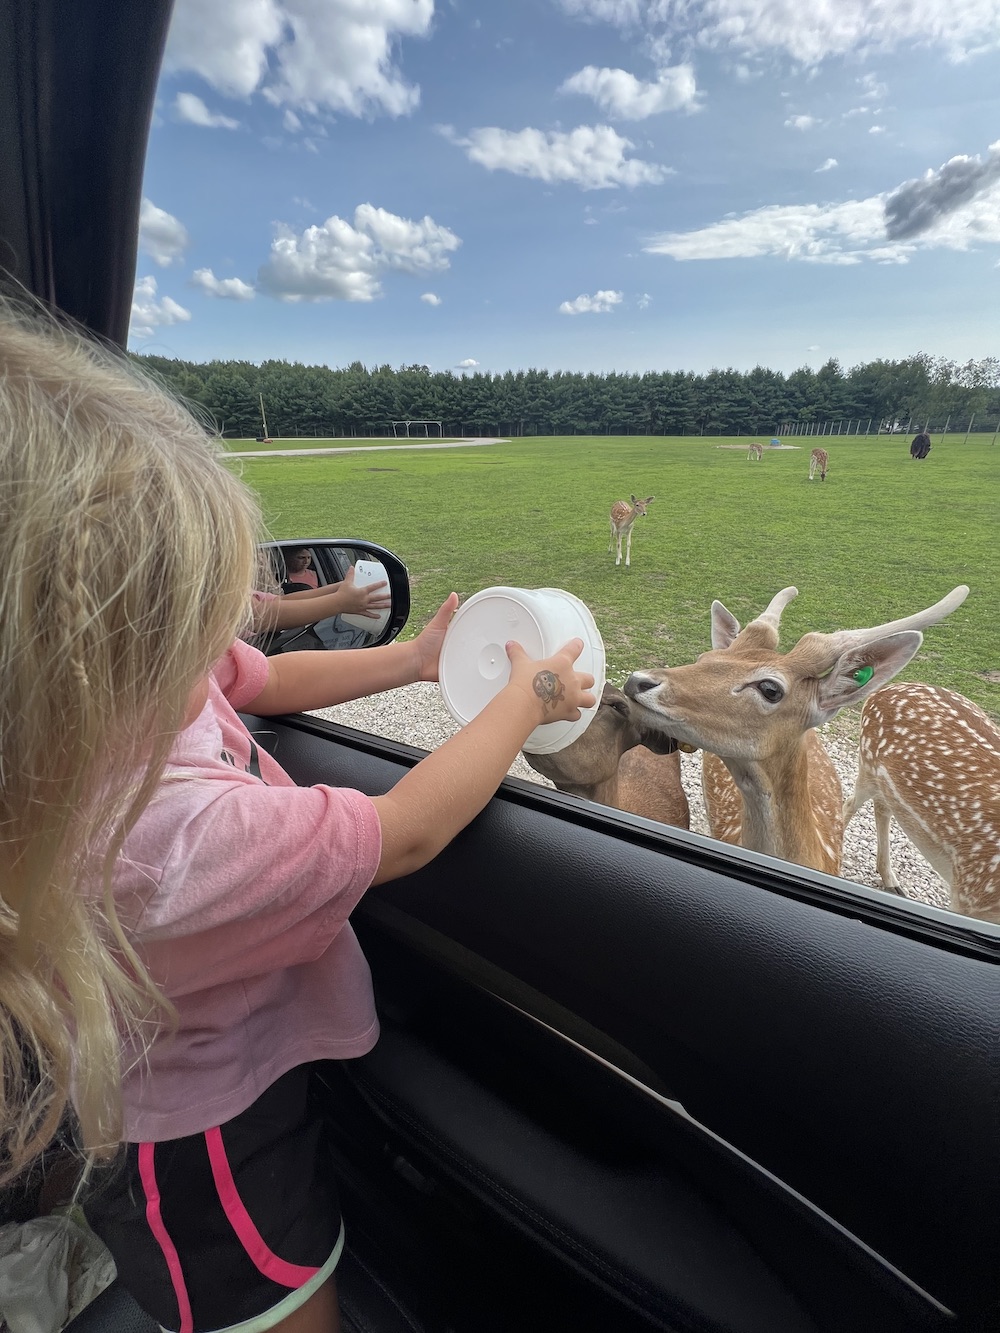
x: 50, y: 1269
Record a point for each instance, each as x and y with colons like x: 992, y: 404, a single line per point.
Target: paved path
x: 361, y: 449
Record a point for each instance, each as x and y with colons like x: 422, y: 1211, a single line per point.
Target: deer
x: 930, y: 759
x: 755, y: 453
x: 819, y: 460
x: 757, y: 709
x: 622, y: 517
x: 610, y: 764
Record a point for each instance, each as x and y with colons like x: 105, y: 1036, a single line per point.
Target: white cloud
x: 592, y: 157
x: 828, y: 165
x: 956, y: 208
x: 598, y: 304
x: 623, y: 13
x: 431, y: 298
x: 877, y: 129
x: 336, y: 261
x: 808, y: 33
x: 312, y: 55
x: 290, y: 121
x: 800, y: 122
x: 149, y: 314
x: 624, y: 97
x: 415, y: 246
x: 161, y: 235
x: 470, y: 363
x: 644, y: 302
x: 194, y: 111
x: 226, y: 42
x: 231, y: 289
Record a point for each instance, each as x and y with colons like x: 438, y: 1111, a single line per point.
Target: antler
x: 772, y: 616
x: 833, y: 645
x: 762, y: 632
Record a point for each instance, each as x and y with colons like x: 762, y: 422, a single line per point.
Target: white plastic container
x: 474, y: 667
x: 367, y: 572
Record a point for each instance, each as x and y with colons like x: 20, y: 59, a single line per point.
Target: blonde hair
x: 128, y: 554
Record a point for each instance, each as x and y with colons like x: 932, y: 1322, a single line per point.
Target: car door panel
x: 812, y: 1036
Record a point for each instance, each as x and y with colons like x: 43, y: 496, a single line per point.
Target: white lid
x: 473, y: 666
x: 367, y: 572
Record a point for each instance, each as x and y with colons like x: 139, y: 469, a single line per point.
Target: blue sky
x: 588, y: 185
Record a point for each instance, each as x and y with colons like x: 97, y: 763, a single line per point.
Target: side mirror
x: 307, y: 564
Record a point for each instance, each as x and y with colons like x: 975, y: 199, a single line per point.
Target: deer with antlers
x: 622, y: 517
x: 818, y: 462
x: 774, y: 788
x: 755, y: 453
x: 930, y: 759
x: 612, y: 764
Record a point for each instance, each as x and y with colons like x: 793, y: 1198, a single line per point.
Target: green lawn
x: 882, y: 537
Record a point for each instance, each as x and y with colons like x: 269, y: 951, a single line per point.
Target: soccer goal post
x: 420, y: 430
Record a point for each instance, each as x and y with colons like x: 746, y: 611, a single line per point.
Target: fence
x: 891, y: 426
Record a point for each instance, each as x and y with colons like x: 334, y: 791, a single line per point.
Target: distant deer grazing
x: 755, y: 453
x: 756, y: 708
x: 609, y: 764
x: 818, y: 461
x: 930, y: 759
x: 622, y: 517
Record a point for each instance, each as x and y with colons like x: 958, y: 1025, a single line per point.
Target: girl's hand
x: 367, y: 601
x: 559, y: 691
x: 427, y: 644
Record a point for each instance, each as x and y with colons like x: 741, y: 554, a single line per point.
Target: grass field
x: 882, y: 537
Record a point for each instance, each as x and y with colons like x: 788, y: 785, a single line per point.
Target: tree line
x: 318, y: 401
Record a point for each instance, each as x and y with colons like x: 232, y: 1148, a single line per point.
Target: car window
x: 672, y: 308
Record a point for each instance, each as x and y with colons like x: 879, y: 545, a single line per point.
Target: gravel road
x: 416, y: 715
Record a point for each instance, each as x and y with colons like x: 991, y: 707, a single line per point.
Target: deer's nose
x: 638, y: 684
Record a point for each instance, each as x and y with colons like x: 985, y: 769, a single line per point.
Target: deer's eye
x: 769, y: 690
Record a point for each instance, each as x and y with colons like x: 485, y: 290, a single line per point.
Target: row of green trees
x: 358, y: 400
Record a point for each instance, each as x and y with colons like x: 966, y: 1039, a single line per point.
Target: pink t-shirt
x: 236, y: 886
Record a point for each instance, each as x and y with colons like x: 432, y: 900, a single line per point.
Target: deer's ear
x: 649, y: 499
x: 850, y: 683
x: 725, y: 626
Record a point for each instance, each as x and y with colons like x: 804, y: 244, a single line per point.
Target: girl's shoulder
x: 241, y: 674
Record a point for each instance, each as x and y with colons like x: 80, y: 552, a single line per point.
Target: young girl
x: 175, y: 949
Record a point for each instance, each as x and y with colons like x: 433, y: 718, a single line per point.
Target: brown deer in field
x: 622, y: 517
x: 930, y: 759
x: 610, y: 764
x: 755, y: 709
x: 755, y: 453
x: 818, y: 462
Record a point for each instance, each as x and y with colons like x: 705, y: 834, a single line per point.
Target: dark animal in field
x: 921, y: 445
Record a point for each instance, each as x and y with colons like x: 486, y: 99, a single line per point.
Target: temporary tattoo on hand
x: 549, y: 689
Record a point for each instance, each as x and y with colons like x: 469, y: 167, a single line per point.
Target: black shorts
x: 234, y: 1224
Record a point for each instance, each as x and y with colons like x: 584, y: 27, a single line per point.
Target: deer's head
x: 744, y: 700
x: 618, y: 726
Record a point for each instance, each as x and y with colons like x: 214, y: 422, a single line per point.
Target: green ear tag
x: 863, y: 675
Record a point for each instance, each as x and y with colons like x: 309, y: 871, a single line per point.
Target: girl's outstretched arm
x: 300, y: 681
x: 445, y: 791
x: 293, y: 609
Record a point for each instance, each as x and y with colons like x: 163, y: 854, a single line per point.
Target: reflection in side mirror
x: 308, y: 597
